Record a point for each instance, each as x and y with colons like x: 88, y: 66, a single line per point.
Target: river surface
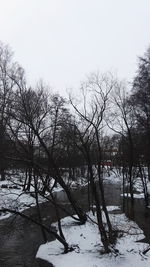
x: 20, y: 239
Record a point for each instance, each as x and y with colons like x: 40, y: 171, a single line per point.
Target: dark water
x: 140, y: 214
x: 20, y: 239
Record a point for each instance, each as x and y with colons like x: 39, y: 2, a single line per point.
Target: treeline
x: 43, y: 133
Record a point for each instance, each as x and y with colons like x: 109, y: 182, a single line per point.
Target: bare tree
x: 140, y: 99
x: 6, y: 98
x: 122, y: 121
x: 91, y: 114
x: 33, y: 110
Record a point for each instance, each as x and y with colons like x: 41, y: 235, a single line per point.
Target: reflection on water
x: 20, y: 239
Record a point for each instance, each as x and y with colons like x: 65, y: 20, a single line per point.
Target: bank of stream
x: 20, y: 239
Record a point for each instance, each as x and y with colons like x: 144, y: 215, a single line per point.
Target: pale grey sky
x: 61, y: 41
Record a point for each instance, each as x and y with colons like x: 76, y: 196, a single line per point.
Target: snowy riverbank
x: 12, y: 196
x: 88, y: 248
x: 85, y: 238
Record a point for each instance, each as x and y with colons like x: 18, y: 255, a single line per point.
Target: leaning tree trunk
x: 102, y: 188
x: 103, y: 233
x: 57, y: 176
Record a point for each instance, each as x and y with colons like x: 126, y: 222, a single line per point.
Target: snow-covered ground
x: 138, y: 189
x: 112, y: 178
x: 13, y: 197
x: 88, y: 247
x: 85, y: 238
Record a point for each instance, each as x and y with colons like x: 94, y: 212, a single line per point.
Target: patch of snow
x: 87, y: 243
x: 112, y: 178
x: 15, y: 198
x: 148, y: 187
x: 111, y: 208
x: 134, y: 195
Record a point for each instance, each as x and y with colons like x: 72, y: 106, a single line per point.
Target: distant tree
x: 7, y: 68
x: 141, y: 100
x: 121, y: 120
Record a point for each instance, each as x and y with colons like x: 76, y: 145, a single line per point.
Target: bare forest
x: 48, y: 142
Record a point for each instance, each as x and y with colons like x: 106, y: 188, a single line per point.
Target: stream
x: 20, y: 239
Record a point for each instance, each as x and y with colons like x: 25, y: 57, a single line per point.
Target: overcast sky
x: 61, y: 41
